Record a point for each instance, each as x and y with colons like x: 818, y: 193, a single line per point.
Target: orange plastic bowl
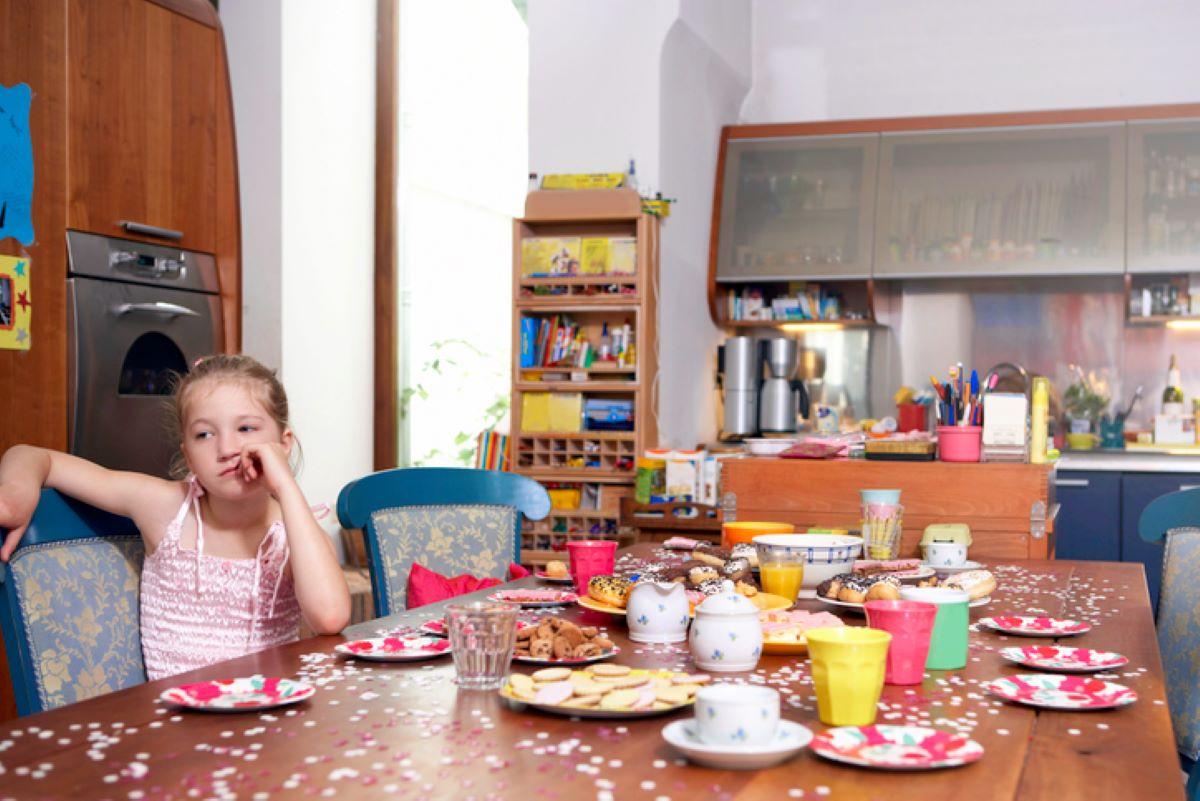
x: 735, y: 533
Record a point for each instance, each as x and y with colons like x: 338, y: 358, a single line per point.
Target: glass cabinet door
x: 1002, y: 201
x: 1164, y: 196
x: 797, y: 207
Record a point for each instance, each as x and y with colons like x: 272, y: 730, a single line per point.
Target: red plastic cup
x: 910, y: 623
x: 590, y: 558
x: 910, y: 417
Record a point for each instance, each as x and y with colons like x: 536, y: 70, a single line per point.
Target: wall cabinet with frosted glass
x: 1076, y: 192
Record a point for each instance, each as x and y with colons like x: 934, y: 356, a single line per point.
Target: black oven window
x: 151, y: 365
x: 6, y: 304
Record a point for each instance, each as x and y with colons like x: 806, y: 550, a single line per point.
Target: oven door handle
x: 159, y: 307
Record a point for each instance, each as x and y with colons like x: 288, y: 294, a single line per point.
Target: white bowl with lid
x: 726, y: 636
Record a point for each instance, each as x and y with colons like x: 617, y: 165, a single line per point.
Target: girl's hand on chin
x: 267, y: 461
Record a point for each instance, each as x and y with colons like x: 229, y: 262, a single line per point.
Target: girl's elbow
x: 331, y: 621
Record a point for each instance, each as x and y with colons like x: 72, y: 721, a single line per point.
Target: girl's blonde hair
x: 248, y: 371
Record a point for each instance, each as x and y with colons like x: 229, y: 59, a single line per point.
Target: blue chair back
x: 1175, y: 519
x: 69, y: 605
x: 451, y: 520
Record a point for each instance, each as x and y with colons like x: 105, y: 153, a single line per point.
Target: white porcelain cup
x: 737, y: 714
x: 946, y: 554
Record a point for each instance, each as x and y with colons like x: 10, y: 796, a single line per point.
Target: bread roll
x: 610, y: 590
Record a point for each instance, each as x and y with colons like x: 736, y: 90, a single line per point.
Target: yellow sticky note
x: 16, y: 303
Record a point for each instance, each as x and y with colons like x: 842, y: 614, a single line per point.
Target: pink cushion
x: 426, y: 586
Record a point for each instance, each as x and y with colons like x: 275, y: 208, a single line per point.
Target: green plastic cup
x: 948, y: 642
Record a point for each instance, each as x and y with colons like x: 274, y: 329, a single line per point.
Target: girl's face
x: 221, y: 418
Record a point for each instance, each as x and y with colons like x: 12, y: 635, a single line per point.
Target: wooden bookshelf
x: 599, y: 463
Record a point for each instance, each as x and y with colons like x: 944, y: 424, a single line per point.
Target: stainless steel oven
x: 137, y: 314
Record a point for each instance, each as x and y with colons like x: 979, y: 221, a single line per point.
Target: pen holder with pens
x: 881, y: 525
x: 959, y: 443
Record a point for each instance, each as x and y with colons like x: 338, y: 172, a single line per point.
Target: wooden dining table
x: 403, y: 730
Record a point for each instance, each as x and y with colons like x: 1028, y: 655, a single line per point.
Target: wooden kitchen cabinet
x: 142, y: 121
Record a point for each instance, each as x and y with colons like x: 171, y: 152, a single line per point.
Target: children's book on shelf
x: 548, y: 256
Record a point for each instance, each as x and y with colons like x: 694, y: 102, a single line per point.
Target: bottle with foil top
x: 1172, y: 398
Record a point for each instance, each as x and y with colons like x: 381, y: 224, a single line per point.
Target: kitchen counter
x: 1139, y: 461
x: 1009, y: 506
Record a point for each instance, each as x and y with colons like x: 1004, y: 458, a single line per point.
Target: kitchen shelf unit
x: 1104, y: 191
x: 599, y: 463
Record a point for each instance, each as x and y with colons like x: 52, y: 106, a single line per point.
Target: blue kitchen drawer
x: 1137, y: 490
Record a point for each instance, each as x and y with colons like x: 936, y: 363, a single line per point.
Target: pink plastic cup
x: 590, y: 558
x: 910, y: 623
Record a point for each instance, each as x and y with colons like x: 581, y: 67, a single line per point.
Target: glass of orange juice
x: 781, y: 571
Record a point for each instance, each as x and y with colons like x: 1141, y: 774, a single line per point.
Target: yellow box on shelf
x: 585, y: 180
x: 535, y: 412
x: 565, y: 412
x: 596, y: 257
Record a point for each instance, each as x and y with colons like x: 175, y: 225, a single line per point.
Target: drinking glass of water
x: 482, y: 635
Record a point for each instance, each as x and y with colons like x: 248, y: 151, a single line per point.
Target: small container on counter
x: 959, y: 443
x: 650, y: 479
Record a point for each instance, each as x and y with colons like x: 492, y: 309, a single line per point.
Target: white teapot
x: 726, y: 636
x: 657, y: 612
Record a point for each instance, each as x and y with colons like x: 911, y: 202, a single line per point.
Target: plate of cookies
x: 555, y: 641
x: 604, y: 691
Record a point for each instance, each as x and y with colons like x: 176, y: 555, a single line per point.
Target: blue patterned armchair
x: 69, y: 605
x: 1175, y: 519
x: 451, y: 520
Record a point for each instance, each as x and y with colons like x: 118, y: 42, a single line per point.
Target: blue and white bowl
x: 823, y: 555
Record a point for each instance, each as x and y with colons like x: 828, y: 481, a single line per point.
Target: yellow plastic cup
x: 735, y: 533
x: 848, y: 665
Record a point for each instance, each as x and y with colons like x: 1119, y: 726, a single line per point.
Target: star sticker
x: 23, y: 301
x: 20, y: 269
x: 22, y: 335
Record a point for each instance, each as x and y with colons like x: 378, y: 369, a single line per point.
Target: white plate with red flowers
x: 1026, y: 626
x: 1063, y: 658
x: 534, y: 599
x: 896, y: 747
x: 243, y: 694
x: 1076, y: 693
x: 395, y: 649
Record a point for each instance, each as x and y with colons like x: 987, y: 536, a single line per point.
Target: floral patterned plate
x: 653, y: 707
x: 1061, y: 692
x: 1064, y: 659
x: 238, y: 695
x: 531, y: 599
x: 1025, y: 626
x: 896, y: 747
x: 395, y: 649
x: 587, y: 660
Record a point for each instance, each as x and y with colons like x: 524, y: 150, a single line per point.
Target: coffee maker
x: 782, y: 397
x: 759, y: 388
x: 737, y: 367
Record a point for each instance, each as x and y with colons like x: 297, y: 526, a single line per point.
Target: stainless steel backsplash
x: 1044, y: 324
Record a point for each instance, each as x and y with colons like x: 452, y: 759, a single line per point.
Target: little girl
x: 234, y: 556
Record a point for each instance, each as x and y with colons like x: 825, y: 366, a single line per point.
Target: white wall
x: 304, y: 109
x: 847, y: 59
x: 653, y: 81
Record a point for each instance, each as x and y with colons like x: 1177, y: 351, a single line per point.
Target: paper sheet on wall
x: 16, y: 164
x: 16, y: 303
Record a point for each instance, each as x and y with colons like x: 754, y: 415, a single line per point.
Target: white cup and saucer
x: 737, y: 727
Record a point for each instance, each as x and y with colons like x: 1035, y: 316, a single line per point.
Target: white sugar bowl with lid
x: 726, y: 636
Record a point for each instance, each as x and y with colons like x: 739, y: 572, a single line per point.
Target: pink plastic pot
x: 910, y: 623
